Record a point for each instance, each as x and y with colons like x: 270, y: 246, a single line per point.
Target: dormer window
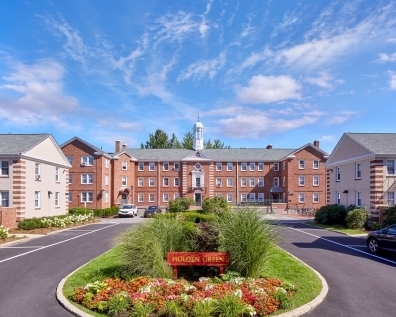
x: 197, y: 166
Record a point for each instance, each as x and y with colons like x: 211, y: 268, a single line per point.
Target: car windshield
x: 152, y: 208
x: 127, y: 207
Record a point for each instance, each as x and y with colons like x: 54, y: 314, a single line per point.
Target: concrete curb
x: 293, y: 313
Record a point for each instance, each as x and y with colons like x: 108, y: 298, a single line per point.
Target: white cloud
x: 384, y: 58
x: 341, y: 117
x: 324, y: 80
x: 203, y: 68
x: 392, y: 80
x: 391, y: 40
x: 266, y: 89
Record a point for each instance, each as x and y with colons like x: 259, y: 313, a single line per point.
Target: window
x: 5, y: 168
x: 243, y: 167
x: 284, y: 165
x: 276, y: 181
x: 140, y: 181
x: 151, y: 181
x: 315, y: 180
x: 338, y: 198
x: 358, y: 200
x: 261, y: 181
x: 218, y: 182
x: 284, y: 180
x: 57, y: 196
x: 276, y: 167
x: 252, y: 182
x: 315, y: 165
x: 301, y: 180
x: 37, y: 199
x: 57, y: 174
x: 176, y: 196
x: 106, y: 179
x: 86, y: 178
x: 252, y: 197
x: 315, y: 197
x: 252, y: 166
x: 70, y: 159
x: 301, y: 197
x: 151, y: 198
x: 37, y: 171
x: 243, y: 182
x: 140, y: 198
x: 338, y: 174
x: 229, y: 182
x: 218, y: 195
x: 70, y: 178
x: 229, y: 198
x: 166, y: 166
x: 260, y: 197
x: 165, y: 198
x: 5, y: 200
x: 87, y: 160
x: 107, y: 161
x: 177, y: 181
x: 151, y: 166
x: 198, y: 182
x: 177, y: 166
x: 260, y: 166
x: 124, y: 181
x: 301, y: 164
x: 140, y: 166
x: 219, y: 166
x: 229, y: 167
x: 166, y: 181
x: 390, y: 167
x: 106, y: 197
x: 358, y: 172
x: 124, y: 165
x: 243, y: 198
x: 70, y: 197
x: 391, y: 199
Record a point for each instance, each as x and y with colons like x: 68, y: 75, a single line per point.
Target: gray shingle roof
x: 378, y: 143
x: 223, y: 155
x: 20, y: 143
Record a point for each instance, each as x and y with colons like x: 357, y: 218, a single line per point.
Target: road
x: 359, y: 284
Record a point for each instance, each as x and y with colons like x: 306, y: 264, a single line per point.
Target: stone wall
x: 8, y: 217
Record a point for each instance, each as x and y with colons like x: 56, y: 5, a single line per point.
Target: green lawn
x: 280, y: 265
x: 338, y: 228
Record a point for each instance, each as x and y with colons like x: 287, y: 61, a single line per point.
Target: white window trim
x: 338, y: 174
x: 141, y: 166
x: 151, y: 179
x: 165, y: 200
x: 140, y: 182
x: 258, y: 167
x: 163, y: 166
x: 243, y: 167
x: 260, y: 197
x: 124, y: 165
x: 229, y: 168
x: 252, y: 166
x: 140, y: 197
x: 163, y: 181
x: 258, y: 182
x: 176, y: 166
x: 284, y: 165
x: 243, y: 179
x: 358, y: 170
x: 151, y: 164
x: 301, y: 166
x: 313, y: 198
x: 178, y: 181
x: 243, y: 197
x: 57, y: 199
x: 229, y: 198
x: 37, y: 197
x: 250, y: 197
x: 6, y: 198
x: 313, y: 164
x: 57, y: 176
x: 124, y: 181
x: 301, y: 195
x: 217, y: 167
x: 276, y: 167
x: 301, y: 178
x: 219, y: 182
x: 85, y: 160
x: 87, y: 196
x: 250, y: 182
x: 358, y: 197
x: 313, y: 181
x: 276, y: 181
x: 88, y: 178
x: 151, y: 198
x: 228, y: 184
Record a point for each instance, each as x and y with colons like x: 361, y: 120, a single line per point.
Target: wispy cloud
x: 203, y: 68
x: 392, y: 80
x: 341, y: 117
x: 384, y: 58
x: 324, y: 80
x: 266, y: 89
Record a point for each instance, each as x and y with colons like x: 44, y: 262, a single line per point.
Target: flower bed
x: 3, y: 232
x: 226, y: 296
x: 54, y: 222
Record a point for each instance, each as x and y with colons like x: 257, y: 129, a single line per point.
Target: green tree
x: 217, y: 144
x: 188, y: 140
x: 216, y: 205
x: 160, y: 140
x: 180, y: 204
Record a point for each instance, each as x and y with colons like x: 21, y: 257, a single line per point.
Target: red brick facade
x: 8, y: 217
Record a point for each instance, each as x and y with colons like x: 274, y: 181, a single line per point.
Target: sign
x: 175, y: 259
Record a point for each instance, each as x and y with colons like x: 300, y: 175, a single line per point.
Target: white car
x: 128, y: 211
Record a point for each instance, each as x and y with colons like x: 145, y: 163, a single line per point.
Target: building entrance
x: 198, y: 199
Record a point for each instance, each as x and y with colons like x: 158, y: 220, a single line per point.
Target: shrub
x: 356, y: 218
x: 196, y: 217
x: 248, y: 238
x: 30, y: 224
x: 331, y: 214
x: 180, y: 204
x: 205, y: 239
x: 389, y: 216
x: 3, y: 232
x: 216, y: 205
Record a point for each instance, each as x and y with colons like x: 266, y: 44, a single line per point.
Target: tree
x: 217, y: 144
x: 160, y: 140
x: 188, y: 141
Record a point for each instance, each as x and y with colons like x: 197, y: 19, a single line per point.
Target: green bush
x: 389, y: 216
x: 197, y: 217
x: 101, y: 213
x: 216, y: 205
x: 30, y: 224
x: 180, y: 204
x: 248, y: 238
x: 356, y: 218
x: 78, y: 211
x: 205, y: 239
x: 331, y: 214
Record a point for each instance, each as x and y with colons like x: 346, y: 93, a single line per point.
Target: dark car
x: 151, y: 211
x: 382, y: 239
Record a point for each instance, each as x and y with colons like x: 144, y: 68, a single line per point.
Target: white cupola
x: 198, y: 136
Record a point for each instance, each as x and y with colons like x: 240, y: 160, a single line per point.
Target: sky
x: 255, y: 73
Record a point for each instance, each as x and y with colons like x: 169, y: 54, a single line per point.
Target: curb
x: 65, y: 303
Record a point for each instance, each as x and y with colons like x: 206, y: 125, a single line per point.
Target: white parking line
x: 31, y: 247
x: 343, y: 245
x: 47, y: 246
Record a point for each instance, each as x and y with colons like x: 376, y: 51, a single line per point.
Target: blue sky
x: 255, y: 72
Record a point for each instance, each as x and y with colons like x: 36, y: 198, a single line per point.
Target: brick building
x: 156, y: 176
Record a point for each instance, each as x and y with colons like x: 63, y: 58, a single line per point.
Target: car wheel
x: 373, y: 245
x: 119, y: 216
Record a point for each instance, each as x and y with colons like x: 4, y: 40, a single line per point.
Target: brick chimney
x: 117, y: 146
x: 316, y: 143
x: 269, y: 146
x: 124, y: 146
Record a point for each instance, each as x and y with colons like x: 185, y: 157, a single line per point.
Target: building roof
x: 377, y: 143
x: 15, y: 144
x: 95, y: 148
x: 224, y: 155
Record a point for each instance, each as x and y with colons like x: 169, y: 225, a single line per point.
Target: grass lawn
x: 280, y: 265
x: 338, y: 228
